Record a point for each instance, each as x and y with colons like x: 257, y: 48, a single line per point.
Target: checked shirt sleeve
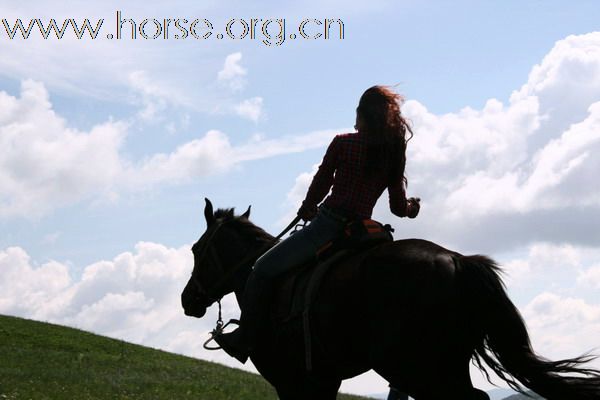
x: 397, y: 194
x: 323, y: 179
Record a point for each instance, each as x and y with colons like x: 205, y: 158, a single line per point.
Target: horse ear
x: 247, y: 213
x: 208, y: 213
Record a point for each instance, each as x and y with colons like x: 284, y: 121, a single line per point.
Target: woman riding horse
x: 414, y: 312
x: 357, y: 167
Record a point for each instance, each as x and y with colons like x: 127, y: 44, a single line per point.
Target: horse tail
x: 503, y: 343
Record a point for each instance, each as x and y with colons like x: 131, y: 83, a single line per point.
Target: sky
x: 108, y: 148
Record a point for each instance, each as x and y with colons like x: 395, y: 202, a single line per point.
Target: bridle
x: 213, y: 294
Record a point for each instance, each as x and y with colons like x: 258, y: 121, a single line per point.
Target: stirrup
x: 217, y: 332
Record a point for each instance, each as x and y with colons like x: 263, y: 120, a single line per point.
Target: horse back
x: 412, y: 271
x: 401, y: 264
x: 396, y: 297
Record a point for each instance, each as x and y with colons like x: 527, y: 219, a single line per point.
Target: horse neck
x: 251, y: 244
x: 240, y: 285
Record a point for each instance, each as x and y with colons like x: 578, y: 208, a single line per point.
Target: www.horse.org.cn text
x: 269, y: 31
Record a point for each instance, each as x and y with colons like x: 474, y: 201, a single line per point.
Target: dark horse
x: 413, y: 311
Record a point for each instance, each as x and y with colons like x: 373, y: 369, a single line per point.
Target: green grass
x: 45, y: 361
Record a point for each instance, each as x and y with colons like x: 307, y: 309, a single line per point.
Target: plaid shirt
x: 352, y: 192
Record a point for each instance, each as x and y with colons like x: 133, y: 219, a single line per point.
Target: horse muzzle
x: 194, y: 311
x: 193, y: 304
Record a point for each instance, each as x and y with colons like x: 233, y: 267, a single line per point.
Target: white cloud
x: 209, y: 154
x: 233, y: 74
x: 154, y: 96
x: 135, y: 297
x: 566, y: 82
x: 512, y: 174
x: 590, y: 277
x: 565, y: 269
x: 44, y: 163
x: 214, y: 153
x: 550, y: 264
x: 250, y: 108
x: 556, y: 176
x: 563, y: 327
x: 296, y: 195
x: 495, y: 167
x: 265, y: 147
x: 34, y: 291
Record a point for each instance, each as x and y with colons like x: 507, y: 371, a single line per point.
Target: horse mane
x: 243, y: 225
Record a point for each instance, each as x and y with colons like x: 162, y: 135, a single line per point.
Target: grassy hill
x: 44, y: 361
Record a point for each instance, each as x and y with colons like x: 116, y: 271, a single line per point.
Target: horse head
x: 215, y: 254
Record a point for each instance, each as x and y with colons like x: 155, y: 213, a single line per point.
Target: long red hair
x: 387, y: 130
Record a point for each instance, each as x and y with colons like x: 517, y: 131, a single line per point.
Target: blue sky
x: 109, y: 148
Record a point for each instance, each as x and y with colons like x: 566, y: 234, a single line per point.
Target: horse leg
x: 321, y: 388
x: 395, y: 394
x: 452, y: 386
x: 285, y: 393
x: 396, y: 379
x: 310, y: 388
x: 444, y: 383
x: 452, y: 390
x: 480, y: 395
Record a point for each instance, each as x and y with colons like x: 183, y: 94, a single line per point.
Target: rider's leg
x: 395, y: 394
x: 293, y: 251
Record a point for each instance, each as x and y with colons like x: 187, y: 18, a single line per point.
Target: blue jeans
x: 299, y: 247
x: 294, y: 251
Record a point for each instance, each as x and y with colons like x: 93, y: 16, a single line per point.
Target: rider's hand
x: 307, y: 213
x: 412, y: 207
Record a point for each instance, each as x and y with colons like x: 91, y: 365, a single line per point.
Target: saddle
x: 298, y: 289
x: 358, y: 234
